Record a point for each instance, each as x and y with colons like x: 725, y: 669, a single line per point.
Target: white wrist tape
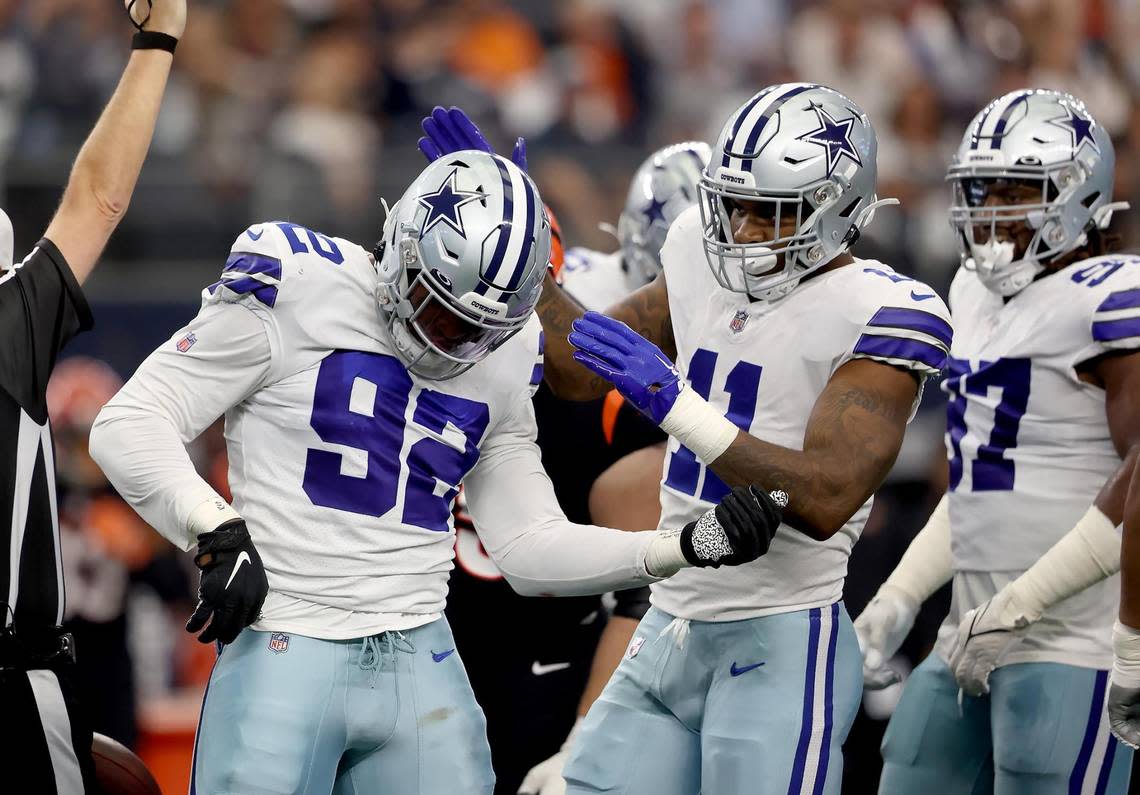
x: 1084, y: 556
x: 927, y: 564
x: 695, y: 423
x: 663, y: 556
x: 1126, y: 665
x: 208, y: 515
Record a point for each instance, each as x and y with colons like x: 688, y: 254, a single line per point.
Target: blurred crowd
x: 310, y: 109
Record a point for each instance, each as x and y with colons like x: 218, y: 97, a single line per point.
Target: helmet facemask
x: 438, y: 335
x: 1010, y: 221
x: 766, y: 269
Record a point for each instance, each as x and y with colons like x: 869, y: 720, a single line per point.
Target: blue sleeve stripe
x: 1124, y: 299
x: 904, y: 349
x: 541, y: 343
x: 536, y: 375
x: 265, y: 293
x: 1109, y: 330
x: 914, y: 320
x: 246, y: 262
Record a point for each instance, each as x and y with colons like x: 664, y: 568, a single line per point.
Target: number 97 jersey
x: 1028, y: 441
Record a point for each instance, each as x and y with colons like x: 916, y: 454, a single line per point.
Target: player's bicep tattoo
x: 646, y: 311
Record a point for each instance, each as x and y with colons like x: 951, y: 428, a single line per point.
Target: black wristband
x: 153, y: 40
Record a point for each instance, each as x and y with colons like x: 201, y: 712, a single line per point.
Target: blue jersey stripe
x: 1123, y: 299
x: 265, y: 293
x: 1106, y: 766
x: 914, y: 320
x: 762, y: 122
x: 248, y: 262
x: 899, y: 348
x: 505, y: 229
x: 1077, y: 778
x: 800, y: 760
x: 1109, y: 330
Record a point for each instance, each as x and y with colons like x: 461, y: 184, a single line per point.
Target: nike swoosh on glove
x: 881, y: 628
x: 449, y: 130
x: 985, y: 634
x: 635, y: 366
x: 738, y: 530
x: 233, y: 584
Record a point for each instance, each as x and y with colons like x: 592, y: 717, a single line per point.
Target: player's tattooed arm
x: 853, y: 436
x: 645, y: 310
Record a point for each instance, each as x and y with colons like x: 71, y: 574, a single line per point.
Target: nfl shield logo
x: 738, y: 322
x: 186, y: 343
x: 279, y: 643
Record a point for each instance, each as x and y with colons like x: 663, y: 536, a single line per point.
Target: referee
x: 45, y: 740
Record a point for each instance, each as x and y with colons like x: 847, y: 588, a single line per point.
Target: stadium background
x: 308, y: 110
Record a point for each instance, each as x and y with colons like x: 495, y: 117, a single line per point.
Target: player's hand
x: 985, y: 634
x: 1124, y: 693
x: 545, y: 778
x: 736, y: 531
x: 233, y: 584
x: 640, y: 371
x: 160, y: 16
x: 881, y: 628
x: 450, y: 130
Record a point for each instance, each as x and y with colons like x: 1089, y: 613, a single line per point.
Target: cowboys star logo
x: 444, y: 204
x: 834, y: 136
x: 1079, y: 128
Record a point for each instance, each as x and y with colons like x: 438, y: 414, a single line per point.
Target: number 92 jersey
x: 342, y: 463
x: 1028, y: 441
x: 765, y: 365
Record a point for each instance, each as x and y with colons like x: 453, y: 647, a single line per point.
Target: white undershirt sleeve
x: 140, y: 436
x: 535, y: 546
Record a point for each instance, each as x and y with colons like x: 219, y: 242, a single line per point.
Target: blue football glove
x: 451, y: 130
x: 640, y: 371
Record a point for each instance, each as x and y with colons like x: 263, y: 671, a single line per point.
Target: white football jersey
x: 1028, y: 441
x: 764, y: 365
x: 596, y: 280
x: 344, y: 465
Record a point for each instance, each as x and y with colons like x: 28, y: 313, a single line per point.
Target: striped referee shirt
x: 41, y: 309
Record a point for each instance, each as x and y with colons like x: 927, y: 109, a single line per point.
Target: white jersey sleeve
x: 1114, y: 284
x: 139, y: 437
x: 516, y: 514
x: 594, y: 279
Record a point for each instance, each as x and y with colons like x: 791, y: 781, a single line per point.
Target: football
x: 119, y: 771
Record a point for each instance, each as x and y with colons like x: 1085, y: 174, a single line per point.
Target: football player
x: 798, y: 367
x: 1043, y: 380
x: 359, y: 391
x: 1124, y: 689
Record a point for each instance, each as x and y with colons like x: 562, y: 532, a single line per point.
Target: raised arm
x: 646, y: 310
x: 107, y: 168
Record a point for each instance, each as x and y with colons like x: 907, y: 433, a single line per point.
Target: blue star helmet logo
x: 834, y: 136
x: 1079, y: 128
x: 654, y: 211
x: 444, y: 204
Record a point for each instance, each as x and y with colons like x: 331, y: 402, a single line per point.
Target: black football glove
x: 736, y: 531
x: 233, y: 584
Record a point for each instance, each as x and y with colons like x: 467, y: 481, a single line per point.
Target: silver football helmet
x: 6, y: 242
x: 1046, y: 142
x: 806, y: 153
x: 663, y: 187
x: 461, y: 262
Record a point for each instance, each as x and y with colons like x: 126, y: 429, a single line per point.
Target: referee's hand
x: 160, y: 16
x: 233, y: 584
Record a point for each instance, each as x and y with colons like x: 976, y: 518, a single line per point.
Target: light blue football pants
x: 1042, y: 730
x: 391, y: 714
x: 757, y: 706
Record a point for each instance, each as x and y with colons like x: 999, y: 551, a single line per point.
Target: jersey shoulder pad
x: 1110, y: 290
x: 268, y: 256
x: 895, y: 319
x: 580, y: 259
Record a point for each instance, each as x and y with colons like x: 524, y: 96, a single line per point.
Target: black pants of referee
x: 45, y: 738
